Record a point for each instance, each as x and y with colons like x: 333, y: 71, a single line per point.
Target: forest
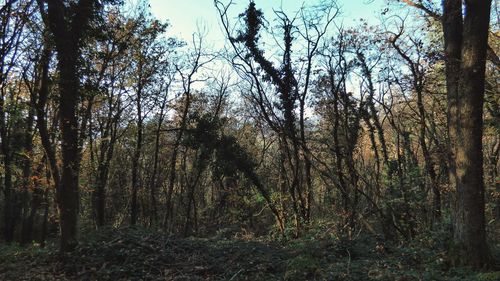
x: 302, y: 148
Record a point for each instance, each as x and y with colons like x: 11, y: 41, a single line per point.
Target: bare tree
x: 291, y: 87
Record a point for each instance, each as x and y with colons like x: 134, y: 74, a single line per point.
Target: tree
x: 466, y: 42
x: 278, y: 91
x: 465, y: 27
x: 108, y: 60
x: 14, y: 33
x: 149, y: 55
x: 68, y: 22
x: 418, y: 85
x: 188, y: 70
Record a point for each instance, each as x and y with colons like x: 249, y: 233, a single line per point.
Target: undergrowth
x: 139, y: 254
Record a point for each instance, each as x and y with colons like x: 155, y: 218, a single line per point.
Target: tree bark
x: 68, y: 26
x: 465, y: 46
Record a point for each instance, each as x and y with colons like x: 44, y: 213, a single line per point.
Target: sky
x: 185, y: 15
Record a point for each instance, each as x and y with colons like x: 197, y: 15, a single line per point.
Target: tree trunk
x: 9, y: 198
x: 135, y: 174
x: 173, y: 158
x: 68, y: 32
x: 68, y: 196
x: 153, y: 181
x: 137, y: 153
x: 27, y: 226
x: 465, y: 46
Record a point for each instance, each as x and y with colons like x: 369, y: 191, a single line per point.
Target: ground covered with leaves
x: 139, y: 254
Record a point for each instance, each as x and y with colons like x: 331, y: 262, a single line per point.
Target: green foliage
x: 302, y: 268
x: 139, y: 253
x: 29, y: 263
x: 488, y: 276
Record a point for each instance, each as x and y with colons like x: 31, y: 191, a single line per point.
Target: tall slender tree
x: 68, y: 21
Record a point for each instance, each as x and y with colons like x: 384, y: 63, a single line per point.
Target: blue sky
x: 185, y: 15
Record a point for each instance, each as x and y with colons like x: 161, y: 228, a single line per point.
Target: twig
x: 236, y: 274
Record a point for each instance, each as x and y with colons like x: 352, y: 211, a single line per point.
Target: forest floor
x: 139, y: 254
